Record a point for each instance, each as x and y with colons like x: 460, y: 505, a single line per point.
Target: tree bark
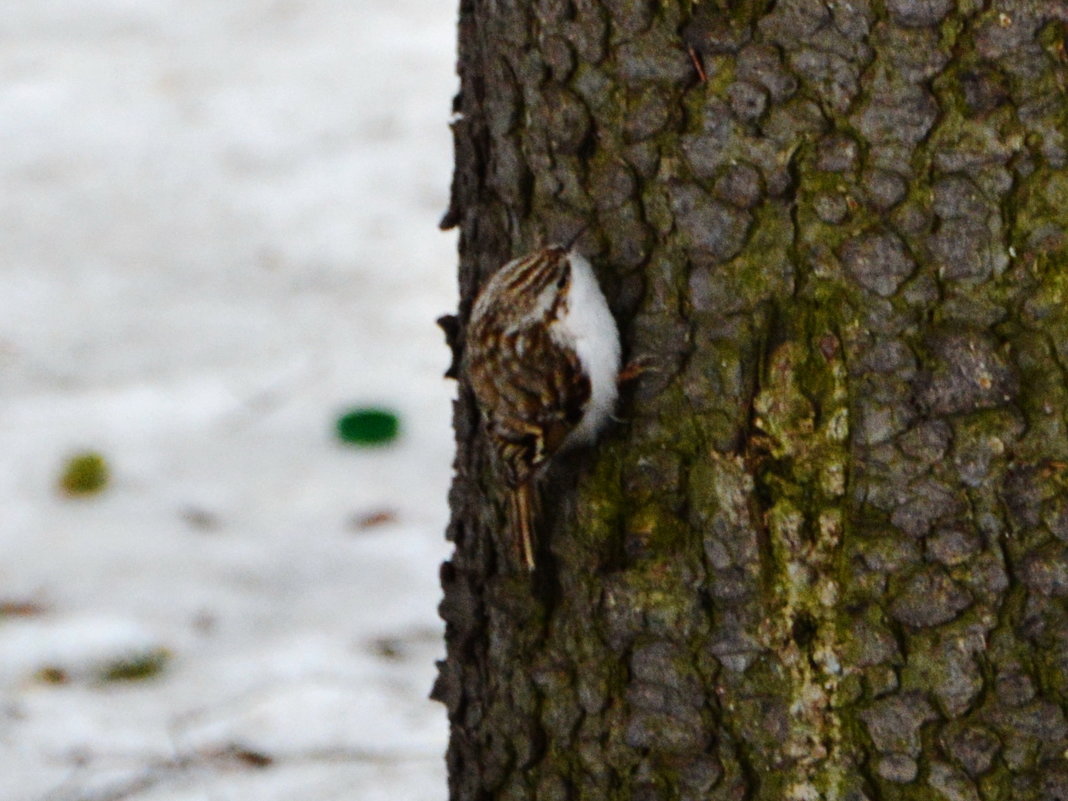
x: 824, y: 553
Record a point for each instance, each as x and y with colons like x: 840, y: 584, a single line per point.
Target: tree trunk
x: 824, y: 553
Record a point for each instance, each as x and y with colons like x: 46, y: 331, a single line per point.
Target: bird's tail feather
x: 523, y: 501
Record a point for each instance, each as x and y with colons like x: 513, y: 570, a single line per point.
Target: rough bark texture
x: 825, y: 553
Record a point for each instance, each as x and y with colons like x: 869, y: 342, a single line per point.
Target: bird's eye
x: 560, y: 284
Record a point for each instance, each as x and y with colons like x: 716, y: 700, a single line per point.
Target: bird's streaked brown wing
x: 533, y: 391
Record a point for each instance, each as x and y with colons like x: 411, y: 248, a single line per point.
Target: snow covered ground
x: 217, y: 231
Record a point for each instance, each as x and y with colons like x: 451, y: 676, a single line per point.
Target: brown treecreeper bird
x: 542, y: 356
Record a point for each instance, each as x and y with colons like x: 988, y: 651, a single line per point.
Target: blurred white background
x: 217, y: 232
